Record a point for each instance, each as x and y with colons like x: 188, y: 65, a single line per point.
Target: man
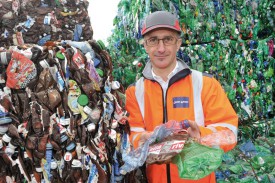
x: 170, y: 90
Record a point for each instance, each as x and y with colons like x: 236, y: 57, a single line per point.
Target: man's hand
x: 194, y: 130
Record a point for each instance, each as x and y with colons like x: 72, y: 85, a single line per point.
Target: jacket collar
x: 147, y: 71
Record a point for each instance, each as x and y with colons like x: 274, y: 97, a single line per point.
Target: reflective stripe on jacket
x: 180, y: 103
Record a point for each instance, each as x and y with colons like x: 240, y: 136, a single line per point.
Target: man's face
x: 163, y: 52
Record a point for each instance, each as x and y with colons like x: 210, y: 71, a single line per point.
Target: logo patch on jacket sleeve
x: 181, y: 102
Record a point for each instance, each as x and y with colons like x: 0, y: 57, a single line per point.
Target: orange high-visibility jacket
x: 148, y: 108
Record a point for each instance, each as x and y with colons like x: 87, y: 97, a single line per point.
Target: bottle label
x: 155, y: 149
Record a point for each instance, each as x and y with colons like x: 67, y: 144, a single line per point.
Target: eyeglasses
x: 154, y: 41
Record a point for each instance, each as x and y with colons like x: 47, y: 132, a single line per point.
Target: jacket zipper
x: 164, y: 120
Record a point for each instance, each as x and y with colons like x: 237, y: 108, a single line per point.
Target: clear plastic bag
x: 223, y: 137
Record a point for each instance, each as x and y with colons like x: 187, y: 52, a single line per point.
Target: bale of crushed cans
x: 38, y: 21
x: 62, y: 116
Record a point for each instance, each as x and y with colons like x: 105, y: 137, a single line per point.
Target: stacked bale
x: 38, y: 21
x: 62, y: 116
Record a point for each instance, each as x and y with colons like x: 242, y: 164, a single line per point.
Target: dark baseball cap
x: 160, y: 19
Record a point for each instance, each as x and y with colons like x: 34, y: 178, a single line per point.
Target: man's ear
x: 179, y: 43
x: 142, y: 43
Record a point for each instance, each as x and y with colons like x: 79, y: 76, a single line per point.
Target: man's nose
x: 161, y: 46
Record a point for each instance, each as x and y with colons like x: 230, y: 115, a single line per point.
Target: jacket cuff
x: 205, y: 131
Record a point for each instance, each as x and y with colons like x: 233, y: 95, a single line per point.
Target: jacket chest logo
x: 181, y: 102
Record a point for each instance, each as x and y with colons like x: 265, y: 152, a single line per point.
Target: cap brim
x: 160, y: 26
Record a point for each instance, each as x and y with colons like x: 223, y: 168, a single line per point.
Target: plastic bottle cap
x: 6, y: 138
x: 115, y: 85
x: 83, y: 100
x: 100, y: 72
x: 68, y: 156
x: 60, y: 55
x: 185, y: 124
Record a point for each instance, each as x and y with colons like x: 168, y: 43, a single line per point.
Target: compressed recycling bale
x: 38, y: 21
x: 62, y: 116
